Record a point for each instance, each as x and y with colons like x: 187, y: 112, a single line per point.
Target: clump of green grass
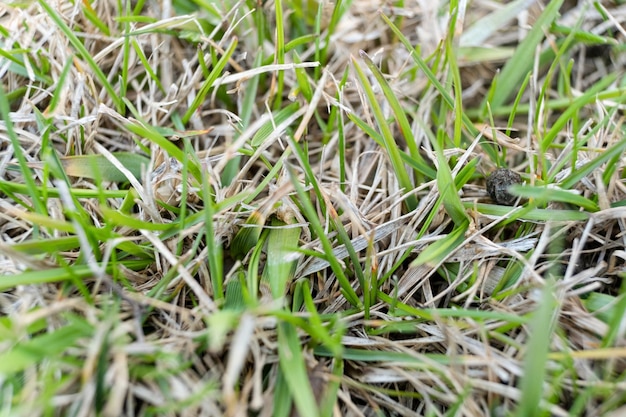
x: 280, y: 209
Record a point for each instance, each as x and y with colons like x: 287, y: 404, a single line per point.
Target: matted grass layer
x: 280, y: 208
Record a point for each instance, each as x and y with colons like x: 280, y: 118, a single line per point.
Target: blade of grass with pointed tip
x: 93, y: 17
x: 594, y: 164
x: 379, y: 140
x: 146, y: 64
x: 117, y: 218
x: 277, y: 118
x: 37, y: 247
x: 583, y: 36
x: 544, y: 195
x: 400, y: 116
x: 344, y: 239
x: 253, y: 276
x: 437, y: 252
x: 152, y: 134
x: 318, y: 329
x: 57, y: 94
x: 449, y: 101
x: 315, y: 224
x: 446, y: 185
x: 388, y: 140
x: 294, y: 370
x: 423, y: 66
x: 208, y: 82
x: 530, y: 214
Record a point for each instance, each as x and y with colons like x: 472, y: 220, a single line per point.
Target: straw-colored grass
x: 279, y: 208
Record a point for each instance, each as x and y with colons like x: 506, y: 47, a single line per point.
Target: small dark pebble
x: 498, y: 184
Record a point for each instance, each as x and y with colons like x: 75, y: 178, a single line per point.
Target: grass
x: 279, y: 208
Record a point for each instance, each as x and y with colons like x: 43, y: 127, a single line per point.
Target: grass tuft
x: 280, y: 208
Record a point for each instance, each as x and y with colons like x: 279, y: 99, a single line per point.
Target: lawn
x: 312, y: 208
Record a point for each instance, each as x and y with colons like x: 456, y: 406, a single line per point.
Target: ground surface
x: 282, y: 208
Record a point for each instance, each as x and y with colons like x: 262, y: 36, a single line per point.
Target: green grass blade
x: 536, y: 355
x: 282, y: 244
x: 318, y: 329
x: 589, y: 97
x: 269, y: 127
x: 399, y: 114
x: 294, y: 370
x: 78, y: 45
x: 544, y: 195
x: 61, y: 274
x: 518, y: 66
x: 248, y: 236
x: 578, y: 174
x: 311, y: 215
x: 528, y: 214
x: 144, y: 60
x: 388, y: 140
x: 447, y: 189
x: 93, y: 17
x: 213, y: 244
x: 115, y: 217
x: 282, y: 399
x: 57, y: 94
x: 437, y: 252
x: 31, y: 188
x: 99, y: 167
x: 37, y: 247
x: 9, y: 188
x: 615, y: 317
x: 279, y: 53
x: 469, y: 127
x: 458, y: 90
x: 152, y: 133
x: 217, y: 70
x: 46, y: 346
x: 327, y: 405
